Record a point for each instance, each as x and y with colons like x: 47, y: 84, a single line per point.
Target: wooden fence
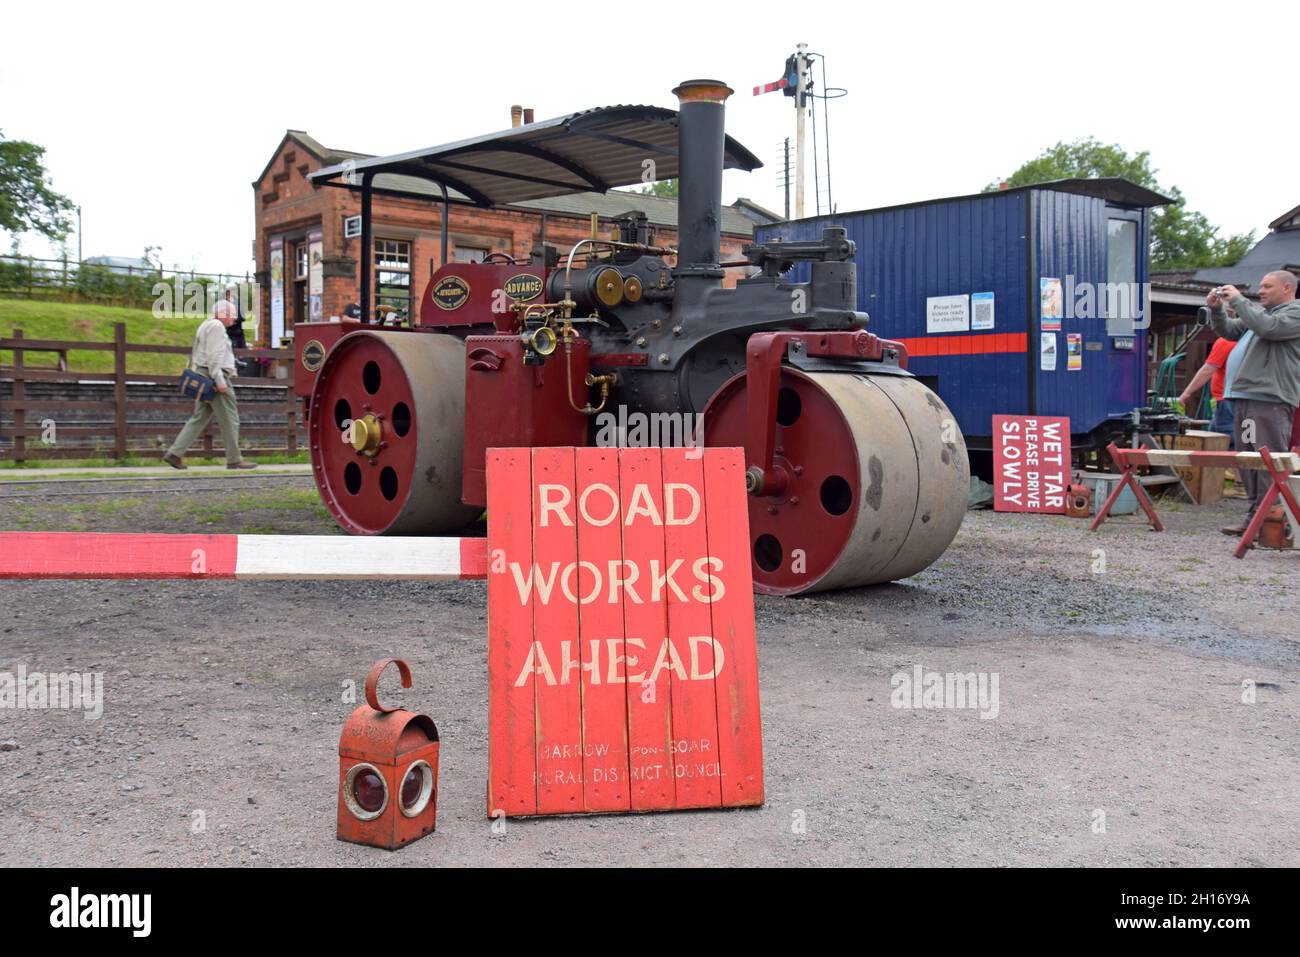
x: 20, y: 405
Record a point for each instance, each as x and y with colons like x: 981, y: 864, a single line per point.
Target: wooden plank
x: 265, y: 354
x: 99, y: 378
x: 1286, y: 461
x: 61, y: 345
x: 740, y: 736
x: 693, y: 701
x: 158, y: 350
x: 103, y: 429
x: 147, y: 429
x: 119, y: 388
x: 512, y: 757
x: 20, y: 395
x: 167, y: 405
x: 54, y: 345
x: 90, y: 453
x: 645, y: 616
x: 41, y: 454
x: 600, y: 631
x: 555, y: 626
x: 64, y: 405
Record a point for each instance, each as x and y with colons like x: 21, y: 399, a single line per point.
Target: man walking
x: 214, y: 358
x: 1263, y: 371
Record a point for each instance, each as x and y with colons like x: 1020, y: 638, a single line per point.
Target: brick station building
x: 303, y: 255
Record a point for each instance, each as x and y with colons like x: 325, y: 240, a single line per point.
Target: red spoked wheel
x: 878, y: 479
x: 387, y: 432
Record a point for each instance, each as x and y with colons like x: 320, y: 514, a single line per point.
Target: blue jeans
x: 1224, y: 421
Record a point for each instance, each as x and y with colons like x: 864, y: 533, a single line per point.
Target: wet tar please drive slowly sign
x: 1031, y: 463
x: 622, y: 668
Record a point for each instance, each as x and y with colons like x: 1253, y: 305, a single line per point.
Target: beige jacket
x: 212, y: 351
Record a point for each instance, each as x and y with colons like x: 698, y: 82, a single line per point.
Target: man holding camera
x: 1263, y: 371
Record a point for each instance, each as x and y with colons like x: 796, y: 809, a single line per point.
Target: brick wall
x: 286, y: 202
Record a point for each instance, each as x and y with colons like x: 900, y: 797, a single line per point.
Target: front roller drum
x: 387, y: 433
x: 877, y: 479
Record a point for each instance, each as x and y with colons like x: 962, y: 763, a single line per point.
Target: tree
x: 27, y: 201
x: 1181, y: 238
x: 665, y: 187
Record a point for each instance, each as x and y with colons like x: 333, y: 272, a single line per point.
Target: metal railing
x: 62, y: 279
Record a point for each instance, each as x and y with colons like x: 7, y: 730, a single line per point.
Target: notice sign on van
x: 1031, y: 463
x: 947, y: 314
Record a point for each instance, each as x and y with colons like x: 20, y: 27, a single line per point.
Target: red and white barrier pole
x: 108, y: 555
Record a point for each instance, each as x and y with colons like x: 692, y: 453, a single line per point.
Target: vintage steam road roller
x: 856, y: 472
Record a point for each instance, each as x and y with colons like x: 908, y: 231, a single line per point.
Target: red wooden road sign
x: 622, y: 669
x: 1031, y: 463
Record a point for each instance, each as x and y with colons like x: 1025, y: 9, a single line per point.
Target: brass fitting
x: 367, y: 434
x: 606, y: 381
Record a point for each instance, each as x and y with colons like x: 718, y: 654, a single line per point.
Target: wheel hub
x: 367, y: 435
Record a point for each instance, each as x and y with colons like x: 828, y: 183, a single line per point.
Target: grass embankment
x: 260, y: 511
x: 87, y: 322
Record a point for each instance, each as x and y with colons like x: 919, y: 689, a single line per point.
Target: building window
x: 469, y: 254
x: 393, y: 276
x: 296, y: 310
x: 1123, y: 297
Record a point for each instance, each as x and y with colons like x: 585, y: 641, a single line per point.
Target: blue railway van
x: 1023, y: 301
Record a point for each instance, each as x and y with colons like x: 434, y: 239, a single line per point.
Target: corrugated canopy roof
x: 1112, y: 189
x: 591, y: 151
x: 1122, y: 192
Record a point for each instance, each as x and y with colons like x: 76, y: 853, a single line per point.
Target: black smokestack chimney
x: 700, y: 145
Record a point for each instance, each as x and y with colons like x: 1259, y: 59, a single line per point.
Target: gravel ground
x: 1120, y: 701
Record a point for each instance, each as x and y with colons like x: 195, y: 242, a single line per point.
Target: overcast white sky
x: 157, y: 117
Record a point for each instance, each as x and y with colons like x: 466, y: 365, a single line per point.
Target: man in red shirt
x: 1214, y: 371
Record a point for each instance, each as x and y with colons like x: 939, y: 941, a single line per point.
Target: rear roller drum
x: 386, y: 432
x: 877, y: 479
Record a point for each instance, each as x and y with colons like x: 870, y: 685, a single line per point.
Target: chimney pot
x: 701, y: 149
x: 528, y: 115
x: 516, y: 115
